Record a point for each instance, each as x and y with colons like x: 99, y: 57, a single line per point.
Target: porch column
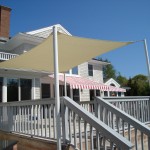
x: 19, y: 90
x: 33, y: 89
x: 71, y: 93
x: 56, y: 78
x: 4, y: 109
x: 4, y: 93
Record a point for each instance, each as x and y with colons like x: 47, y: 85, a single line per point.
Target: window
x: 46, y: 90
x: 26, y: 85
x: 75, y: 70
x: 12, y: 90
x: 119, y: 93
x: 61, y: 90
x: 98, y: 93
x: 76, y: 96
x: 105, y: 93
x: 1, y: 86
x: 90, y: 70
x: 92, y: 95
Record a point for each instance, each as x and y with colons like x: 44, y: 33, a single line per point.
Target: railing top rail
x: 29, y: 102
x: 131, y: 120
x: 128, y: 97
x: 86, y: 102
x: 97, y: 124
x: 126, y: 100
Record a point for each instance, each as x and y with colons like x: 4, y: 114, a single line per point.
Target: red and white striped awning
x: 78, y: 82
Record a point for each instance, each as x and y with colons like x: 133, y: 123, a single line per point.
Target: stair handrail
x: 100, y: 126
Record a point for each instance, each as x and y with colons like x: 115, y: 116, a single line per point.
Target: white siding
x: 83, y: 69
x: 97, y: 73
x: 84, y: 95
x: 97, y: 76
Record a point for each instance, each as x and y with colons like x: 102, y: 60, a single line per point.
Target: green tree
x: 109, y: 71
x: 122, y: 80
x: 139, y: 86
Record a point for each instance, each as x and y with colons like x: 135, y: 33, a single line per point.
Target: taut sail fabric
x: 72, y: 52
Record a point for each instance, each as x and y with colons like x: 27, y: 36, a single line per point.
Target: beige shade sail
x: 72, y: 52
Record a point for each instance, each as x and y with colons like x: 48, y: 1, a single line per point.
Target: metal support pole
x: 65, y: 84
x: 56, y: 78
x: 147, y: 59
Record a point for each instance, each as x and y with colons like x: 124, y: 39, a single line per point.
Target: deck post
x: 147, y: 59
x: 65, y: 84
x: 56, y: 78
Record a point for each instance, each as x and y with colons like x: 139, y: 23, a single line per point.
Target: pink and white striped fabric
x: 78, y: 82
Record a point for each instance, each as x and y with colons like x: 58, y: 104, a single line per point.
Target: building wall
x: 83, y: 69
x: 97, y: 72
x: 84, y: 95
x: 97, y: 76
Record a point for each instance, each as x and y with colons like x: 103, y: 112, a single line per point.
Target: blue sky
x: 118, y: 20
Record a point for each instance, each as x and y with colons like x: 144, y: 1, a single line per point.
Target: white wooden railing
x: 7, y: 56
x: 78, y: 127
x: 85, y: 129
x: 138, y: 107
x: 125, y: 124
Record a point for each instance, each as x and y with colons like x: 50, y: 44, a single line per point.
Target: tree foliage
x: 109, y: 72
x: 139, y: 86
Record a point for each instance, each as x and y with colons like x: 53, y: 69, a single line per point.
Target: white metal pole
x: 147, y: 59
x: 65, y: 84
x: 56, y: 78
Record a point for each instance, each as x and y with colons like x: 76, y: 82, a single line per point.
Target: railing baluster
x: 74, y: 125
x: 50, y: 120
x: 142, y: 142
x: 45, y: 120
x: 29, y: 119
x: 38, y: 120
x: 42, y: 120
x: 80, y: 133
x: 54, y: 122
x: 148, y: 138
x: 97, y: 140
x: 25, y: 119
x: 129, y: 132
x: 136, y: 139
x: 34, y: 117
x: 123, y: 130
x: 91, y: 138
x: 19, y: 119
x: 22, y: 119
x: 86, y: 135
x: 70, y: 126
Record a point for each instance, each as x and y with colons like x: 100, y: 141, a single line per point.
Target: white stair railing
x: 123, y: 123
x: 136, y: 106
x: 87, y: 132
